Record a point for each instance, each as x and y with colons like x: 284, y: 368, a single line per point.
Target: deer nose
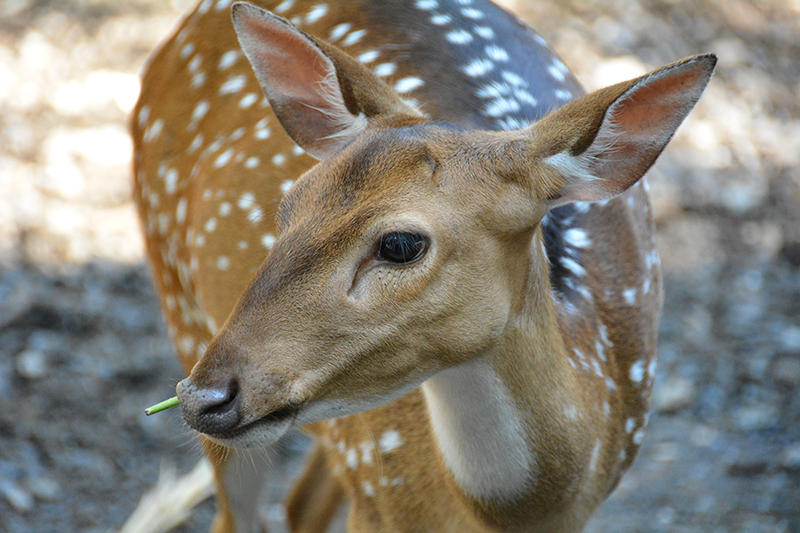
x: 211, y: 410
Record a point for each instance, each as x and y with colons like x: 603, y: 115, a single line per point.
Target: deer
x: 405, y: 228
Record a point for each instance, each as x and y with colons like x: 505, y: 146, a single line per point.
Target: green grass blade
x: 157, y: 408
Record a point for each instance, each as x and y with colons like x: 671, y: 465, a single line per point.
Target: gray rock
x: 786, y: 370
x: 675, y: 394
x: 32, y: 364
x: 16, y: 496
x: 790, y: 458
x: 44, y: 488
x: 756, y: 417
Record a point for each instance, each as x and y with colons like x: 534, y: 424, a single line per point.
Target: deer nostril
x: 226, y: 403
x: 210, y: 410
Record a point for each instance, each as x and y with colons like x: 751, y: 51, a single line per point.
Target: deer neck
x: 499, y: 419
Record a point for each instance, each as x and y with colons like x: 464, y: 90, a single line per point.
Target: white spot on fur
x: 180, y: 211
x: 187, y: 50
x: 268, y: 241
x: 195, y: 63
x: 339, y: 31
x: 171, y: 181
x: 284, y: 6
x: 286, y: 185
x: 485, y: 32
x: 573, y: 266
x: 200, y: 110
x: 368, y: 490
x: 408, y: 84
x: 426, y: 4
x: 223, y: 262
x: 636, y: 372
x: 496, y: 53
x: 316, y: 13
x: 600, y: 349
x: 472, y: 13
x: 369, y: 56
x: 198, y: 80
x: 556, y: 73
x: 459, y: 37
x: 390, y: 441
x: 441, y: 20
x: 223, y: 158
x: 595, y: 455
x: 144, y: 114
x: 255, y: 215
x: 354, y: 37
x: 263, y: 133
x: 228, y: 59
x: 248, y: 100
x: 629, y: 295
x: 351, y: 459
x: 478, y: 67
x: 385, y: 69
x: 153, y: 131
x: 577, y: 237
x: 501, y: 106
x: 232, y: 85
x: 367, y: 451
x: 246, y: 201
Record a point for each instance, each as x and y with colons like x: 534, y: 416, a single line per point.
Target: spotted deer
x: 421, y: 242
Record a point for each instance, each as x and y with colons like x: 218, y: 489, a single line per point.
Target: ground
x: 83, y: 347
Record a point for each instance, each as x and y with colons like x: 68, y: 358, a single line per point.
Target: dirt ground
x: 83, y: 347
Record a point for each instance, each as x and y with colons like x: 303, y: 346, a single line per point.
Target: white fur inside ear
x: 343, y: 123
x: 584, y: 166
x: 585, y: 174
x: 571, y: 166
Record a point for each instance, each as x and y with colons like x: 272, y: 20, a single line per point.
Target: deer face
x: 381, y: 276
x: 407, y: 249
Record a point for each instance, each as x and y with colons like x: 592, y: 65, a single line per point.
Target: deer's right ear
x: 323, y: 98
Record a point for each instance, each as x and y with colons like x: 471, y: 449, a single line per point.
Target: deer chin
x: 259, y: 432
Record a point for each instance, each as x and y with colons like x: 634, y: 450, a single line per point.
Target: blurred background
x: 83, y: 348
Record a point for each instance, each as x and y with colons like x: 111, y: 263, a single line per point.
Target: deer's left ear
x: 601, y: 144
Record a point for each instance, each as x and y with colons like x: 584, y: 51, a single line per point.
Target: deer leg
x: 315, y: 498
x: 241, y: 476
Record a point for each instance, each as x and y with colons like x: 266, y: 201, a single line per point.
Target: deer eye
x: 402, y: 248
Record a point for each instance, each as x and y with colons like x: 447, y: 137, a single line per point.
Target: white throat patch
x: 480, y: 432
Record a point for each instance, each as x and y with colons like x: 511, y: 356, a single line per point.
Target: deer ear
x: 601, y: 144
x: 323, y: 98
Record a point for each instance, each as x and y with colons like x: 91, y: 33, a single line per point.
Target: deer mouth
x: 261, y: 431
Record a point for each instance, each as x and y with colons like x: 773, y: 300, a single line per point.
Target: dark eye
x: 402, y: 248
